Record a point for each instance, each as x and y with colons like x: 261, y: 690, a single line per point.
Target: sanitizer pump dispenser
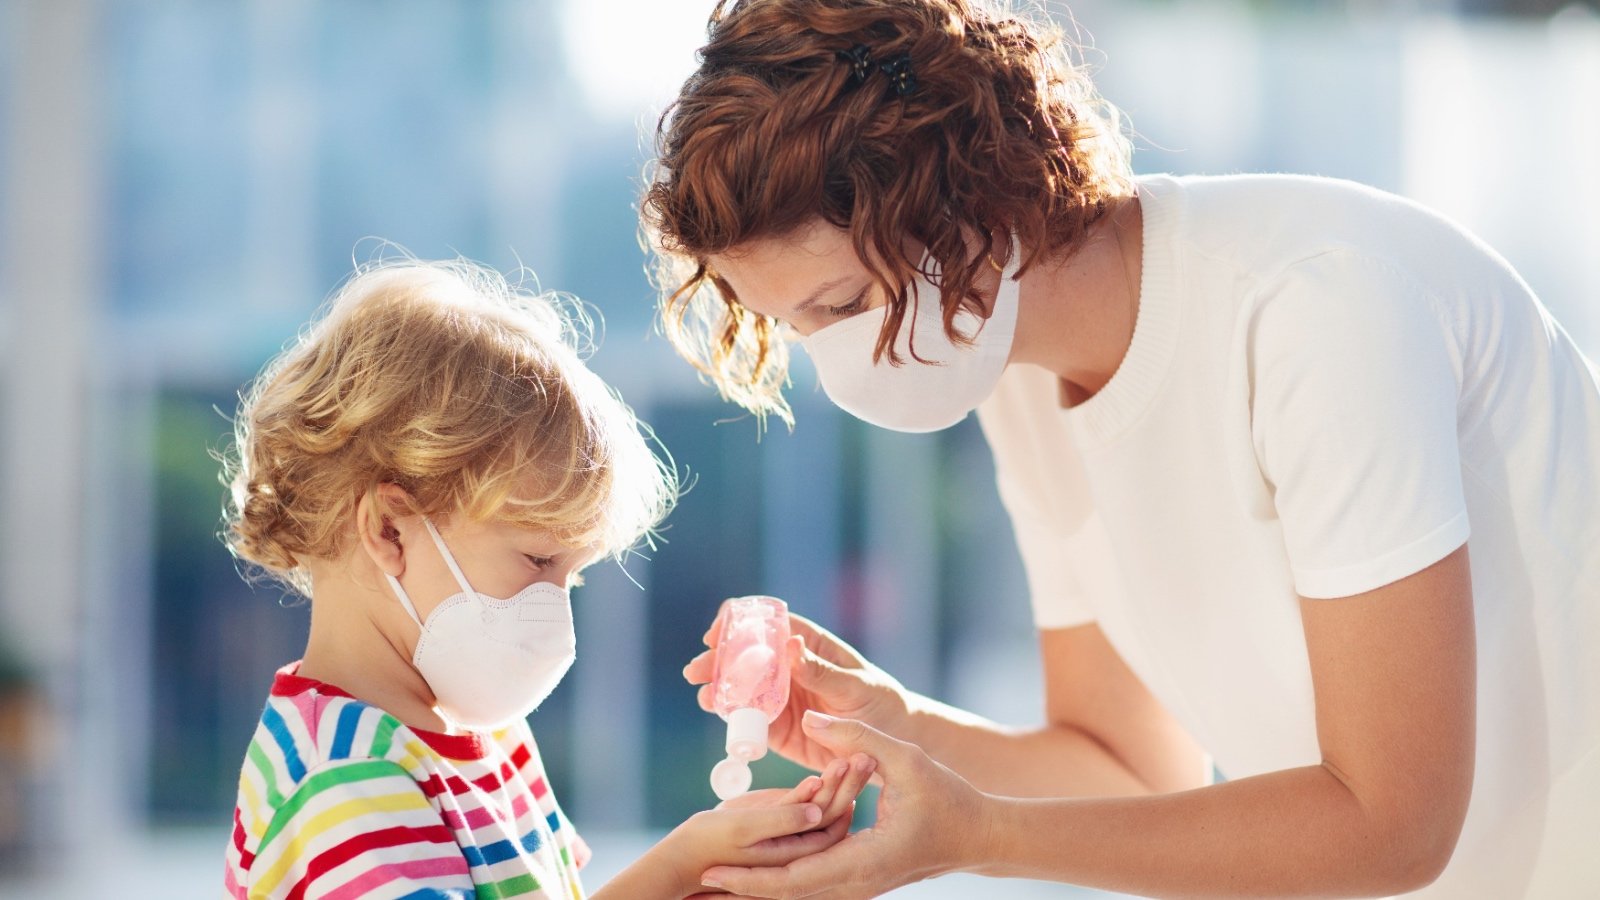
x: 750, y: 684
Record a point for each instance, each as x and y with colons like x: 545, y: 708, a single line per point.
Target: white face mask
x: 916, y: 396
x: 488, y: 661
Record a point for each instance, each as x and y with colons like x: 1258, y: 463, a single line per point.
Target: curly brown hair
x: 458, y: 386
x: 794, y: 115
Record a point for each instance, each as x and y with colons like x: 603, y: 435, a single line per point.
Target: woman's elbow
x: 1422, y: 847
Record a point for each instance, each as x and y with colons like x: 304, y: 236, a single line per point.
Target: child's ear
x: 381, y: 538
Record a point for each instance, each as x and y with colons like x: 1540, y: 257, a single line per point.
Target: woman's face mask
x: 935, y: 393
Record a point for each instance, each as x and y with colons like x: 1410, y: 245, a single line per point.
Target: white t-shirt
x: 1328, y: 389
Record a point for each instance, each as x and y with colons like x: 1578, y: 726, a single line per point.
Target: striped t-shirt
x: 338, y: 799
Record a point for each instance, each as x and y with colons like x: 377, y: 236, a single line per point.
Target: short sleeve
x: 1354, y: 398
x: 359, y: 827
x: 1042, y: 485
x: 574, y: 852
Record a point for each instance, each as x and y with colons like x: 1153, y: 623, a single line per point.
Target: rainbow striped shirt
x: 337, y: 799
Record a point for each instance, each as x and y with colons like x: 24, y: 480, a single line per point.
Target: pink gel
x: 750, y: 684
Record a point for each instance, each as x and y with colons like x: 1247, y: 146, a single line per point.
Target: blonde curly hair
x: 463, y: 389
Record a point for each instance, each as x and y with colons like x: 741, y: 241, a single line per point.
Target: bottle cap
x: 730, y: 778
x: 747, y: 734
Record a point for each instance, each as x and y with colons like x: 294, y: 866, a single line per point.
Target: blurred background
x: 182, y: 183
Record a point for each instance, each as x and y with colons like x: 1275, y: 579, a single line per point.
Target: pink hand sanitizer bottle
x: 750, y: 685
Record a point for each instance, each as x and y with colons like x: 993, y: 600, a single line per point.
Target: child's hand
x: 834, y: 791
x: 775, y: 826
x: 777, y: 834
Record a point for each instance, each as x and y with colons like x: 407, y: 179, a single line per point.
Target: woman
x: 1305, y: 480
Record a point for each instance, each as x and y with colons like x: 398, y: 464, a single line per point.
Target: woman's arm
x: 1105, y: 734
x: 1394, y: 673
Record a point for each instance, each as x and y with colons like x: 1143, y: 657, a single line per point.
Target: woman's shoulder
x: 1262, y: 187
x: 1273, y: 210
x: 1244, y: 231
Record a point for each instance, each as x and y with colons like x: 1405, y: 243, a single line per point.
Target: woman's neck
x: 1076, y: 315
x: 361, y: 642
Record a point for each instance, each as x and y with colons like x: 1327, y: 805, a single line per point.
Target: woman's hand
x: 826, y: 675
x: 931, y: 821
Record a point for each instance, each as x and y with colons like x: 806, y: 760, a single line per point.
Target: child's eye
x: 540, y: 562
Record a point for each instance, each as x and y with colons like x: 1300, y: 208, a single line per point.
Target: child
x: 431, y: 445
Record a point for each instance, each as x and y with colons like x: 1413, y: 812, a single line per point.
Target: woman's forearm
x: 1045, y: 761
x: 1295, y: 833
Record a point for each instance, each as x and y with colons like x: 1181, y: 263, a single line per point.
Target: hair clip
x: 901, y: 78
x: 860, y: 59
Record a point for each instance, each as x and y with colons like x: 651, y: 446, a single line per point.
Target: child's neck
x: 360, y: 643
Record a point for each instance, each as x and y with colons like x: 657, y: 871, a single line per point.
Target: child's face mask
x: 489, y: 661
x: 916, y: 396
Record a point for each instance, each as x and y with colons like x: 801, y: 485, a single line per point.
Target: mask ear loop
x: 405, y: 600
x: 448, y: 559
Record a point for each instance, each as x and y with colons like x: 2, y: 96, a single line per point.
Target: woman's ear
x: 377, y: 513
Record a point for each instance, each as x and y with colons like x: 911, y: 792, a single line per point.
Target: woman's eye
x: 848, y: 309
x: 540, y: 562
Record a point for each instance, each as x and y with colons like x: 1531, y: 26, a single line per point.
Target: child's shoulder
x: 313, y: 750
x: 326, y: 767
x: 307, y: 727
x: 305, y: 733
